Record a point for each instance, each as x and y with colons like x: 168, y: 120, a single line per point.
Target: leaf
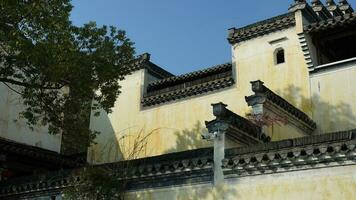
x: 58, y: 67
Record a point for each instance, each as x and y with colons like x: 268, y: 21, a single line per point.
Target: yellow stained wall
x: 14, y: 128
x: 333, y: 97
x: 255, y: 60
x: 176, y: 126
x: 317, y: 184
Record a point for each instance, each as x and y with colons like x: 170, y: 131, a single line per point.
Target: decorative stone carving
x: 320, y: 151
x: 237, y: 128
x: 333, y: 8
x: 345, y: 7
x: 268, y: 107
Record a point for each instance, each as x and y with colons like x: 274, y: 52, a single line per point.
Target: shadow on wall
x: 107, y: 148
x: 190, y: 139
x: 329, y: 116
x: 113, y: 146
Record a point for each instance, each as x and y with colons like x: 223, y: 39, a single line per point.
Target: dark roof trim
x: 36, y: 153
x: 187, y: 85
x: 292, y: 143
x: 339, y: 21
x: 307, y: 11
x: 334, y: 149
x: 261, y: 90
x: 174, y: 80
x: 143, y: 62
x: 320, y: 10
x: 236, y: 127
x: 188, y: 167
x: 195, y: 166
x: 264, y: 27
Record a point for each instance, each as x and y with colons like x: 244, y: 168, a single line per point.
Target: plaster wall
x: 177, y: 126
x: 170, y: 127
x: 254, y: 59
x: 14, y: 128
x: 317, y: 184
x: 333, y: 97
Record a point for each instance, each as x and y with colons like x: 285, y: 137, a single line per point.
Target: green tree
x: 59, y: 68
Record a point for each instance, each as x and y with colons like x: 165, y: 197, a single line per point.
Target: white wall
x: 14, y: 128
x: 177, y: 125
x: 316, y: 184
x: 333, y: 97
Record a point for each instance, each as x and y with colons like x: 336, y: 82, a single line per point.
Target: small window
x: 279, y: 56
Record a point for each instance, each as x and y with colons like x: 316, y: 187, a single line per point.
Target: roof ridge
x: 260, y: 28
x: 330, y: 22
x: 265, y: 21
x: 144, y: 61
x: 11, y: 146
x: 259, y: 89
x: 182, y: 76
x: 12, y: 142
x: 324, y: 138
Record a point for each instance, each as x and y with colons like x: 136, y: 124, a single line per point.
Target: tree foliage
x: 96, y: 183
x: 59, y: 68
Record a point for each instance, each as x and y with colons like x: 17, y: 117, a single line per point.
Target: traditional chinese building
x: 277, y: 121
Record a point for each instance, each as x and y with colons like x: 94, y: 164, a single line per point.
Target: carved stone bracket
x: 268, y: 107
x: 237, y: 128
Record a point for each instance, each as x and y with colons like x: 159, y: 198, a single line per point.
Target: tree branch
x: 7, y: 85
x: 30, y: 85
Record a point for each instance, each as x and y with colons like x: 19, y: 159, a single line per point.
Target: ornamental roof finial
x: 345, y: 7
x: 297, y: 5
x: 320, y: 9
x: 316, y: 2
x: 333, y: 8
x: 330, y: 2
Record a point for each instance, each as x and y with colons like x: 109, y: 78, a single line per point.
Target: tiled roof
x: 261, y: 28
x: 143, y: 62
x: 186, y: 85
x: 260, y: 89
x: 236, y: 127
x: 196, y: 166
x: 36, y: 153
x: 339, y: 21
x: 168, y: 169
x: 312, y: 152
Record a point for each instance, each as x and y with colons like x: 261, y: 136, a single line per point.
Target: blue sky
x: 181, y: 35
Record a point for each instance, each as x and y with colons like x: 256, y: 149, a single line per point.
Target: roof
x: 325, y: 138
x: 236, y: 127
x: 261, y: 90
x: 261, y: 28
x: 186, y: 85
x: 143, y: 62
x: 335, y: 22
x: 8, y: 147
x: 321, y: 17
x: 154, y: 171
x: 195, y: 166
x: 311, y: 152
